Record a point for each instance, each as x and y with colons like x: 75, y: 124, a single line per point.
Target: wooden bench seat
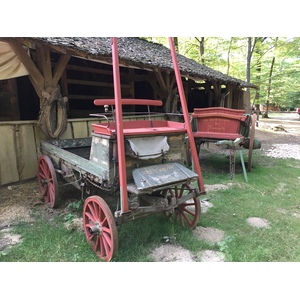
x: 218, y: 123
x: 141, y: 127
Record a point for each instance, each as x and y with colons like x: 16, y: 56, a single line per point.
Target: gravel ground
x: 279, y: 138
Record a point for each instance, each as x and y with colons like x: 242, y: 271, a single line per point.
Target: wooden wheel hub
x: 188, y: 212
x: 97, y: 228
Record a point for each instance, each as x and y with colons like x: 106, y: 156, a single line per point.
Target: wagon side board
x: 97, y: 159
x: 76, y: 162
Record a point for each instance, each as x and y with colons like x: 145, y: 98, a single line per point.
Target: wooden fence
x: 20, y: 140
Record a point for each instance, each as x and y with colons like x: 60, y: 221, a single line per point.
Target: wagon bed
x: 94, y: 157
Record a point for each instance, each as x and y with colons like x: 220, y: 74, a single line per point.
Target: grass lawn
x: 272, y: 193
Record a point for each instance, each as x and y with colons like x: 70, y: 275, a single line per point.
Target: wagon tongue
x: 161, y: 175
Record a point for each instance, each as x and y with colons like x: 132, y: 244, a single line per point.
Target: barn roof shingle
x: 138, y: 52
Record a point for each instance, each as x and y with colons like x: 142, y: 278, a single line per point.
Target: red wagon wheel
x: 187, y: 213
x: 48, y: 181
x: 100, y: 228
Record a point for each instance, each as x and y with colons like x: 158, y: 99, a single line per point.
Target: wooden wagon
x: 140, y: 161
x: 225, y: 126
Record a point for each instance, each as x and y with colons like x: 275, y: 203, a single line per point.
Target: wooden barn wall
x: 246, y: 102
x: 19, y: 145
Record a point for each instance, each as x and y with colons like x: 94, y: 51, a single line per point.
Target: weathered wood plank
x: 28, y: 157
x: 44, y: 63
x: 8, y: 155
x: 39, y: 136
x: 80, y: 129
x: 68, y: 134
x: 60, y: 67
x: 246, y: 101
x: 160, y: 80
x: 94, y: 83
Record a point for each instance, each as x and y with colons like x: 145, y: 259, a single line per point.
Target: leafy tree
x: 272, y: 63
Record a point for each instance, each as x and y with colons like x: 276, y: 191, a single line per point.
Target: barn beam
x: 60, y: 67
x: 161, y: 93
x: 44, y: 64
x: 160, y: 79
x: 52, y: 122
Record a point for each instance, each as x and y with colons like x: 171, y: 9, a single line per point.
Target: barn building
x: 48, y: 85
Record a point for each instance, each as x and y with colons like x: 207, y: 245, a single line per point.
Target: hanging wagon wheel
x: 100, y: 228
x: 56, y: 119
x: 48, y: 181
x: 53, y: 114
x: 187, y: 213
x: 251, y: 141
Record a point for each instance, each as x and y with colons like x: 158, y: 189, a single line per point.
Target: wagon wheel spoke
x: 100, y: 228
x: 186, y: 213
x: 48, y: 181
x: 107, y: 245
x: 91, y: 214
x: 91, y: 237
x: 94, y: 207
x: 42, y: 175
x: 100, y: 250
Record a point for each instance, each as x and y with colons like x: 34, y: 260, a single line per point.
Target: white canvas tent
x: 10, y: 64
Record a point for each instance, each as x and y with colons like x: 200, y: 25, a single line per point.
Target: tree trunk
x: 176, y: 44
x: 257, y: 46
x: 201, y: 49
x: 228, y: 56
x: 258, y: 52
x: 251, y: 47
x: 269, y: 83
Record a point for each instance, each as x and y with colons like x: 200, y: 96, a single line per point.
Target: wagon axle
x: 96, y: 228
x: 44, y: 182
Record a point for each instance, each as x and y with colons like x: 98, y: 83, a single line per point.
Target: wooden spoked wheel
x: 186, y: 213
x: 100, y: 228
x: 251, y: 141
x: 48, y: 181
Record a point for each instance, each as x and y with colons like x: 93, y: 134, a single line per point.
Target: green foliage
x: 75, y: 205
x: 69, y: 217
x: 228, y: 55
x: 224, y: 246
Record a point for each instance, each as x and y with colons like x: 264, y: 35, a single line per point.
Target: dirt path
x: 280, y: 137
